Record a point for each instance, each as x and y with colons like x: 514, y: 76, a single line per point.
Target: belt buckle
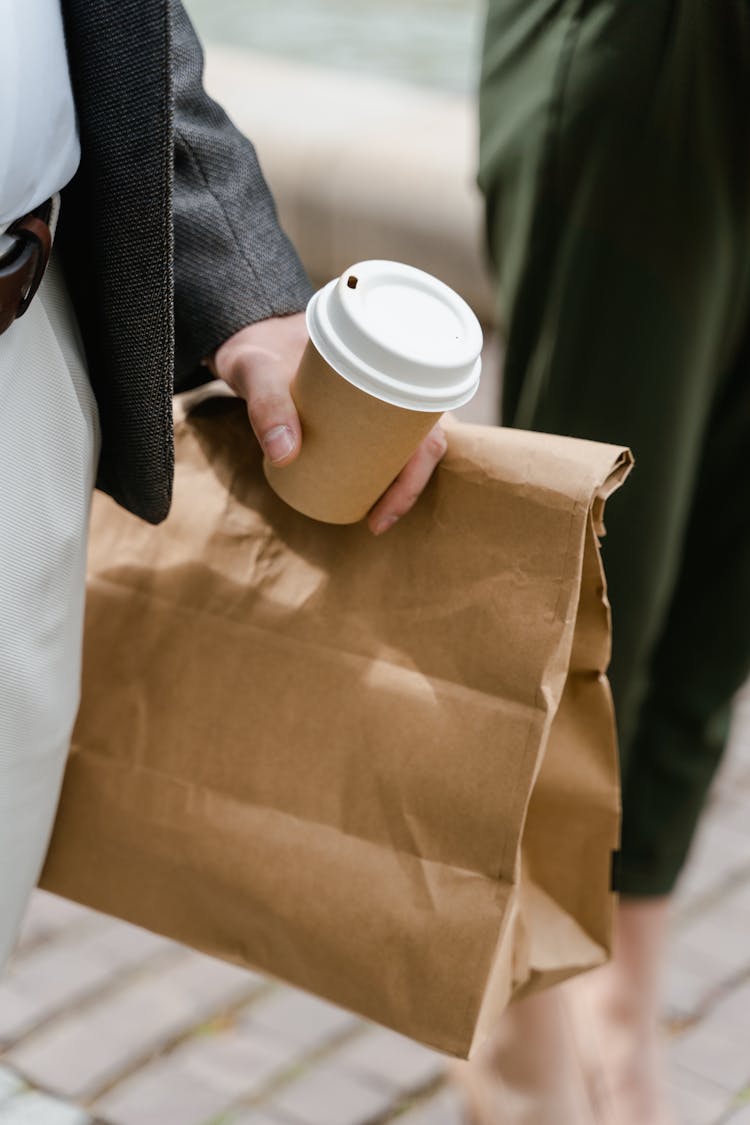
x: 22, y: 270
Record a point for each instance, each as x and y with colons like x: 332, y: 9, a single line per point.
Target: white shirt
x: 39, y: 148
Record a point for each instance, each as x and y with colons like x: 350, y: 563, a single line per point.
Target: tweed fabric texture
x: 233, y: 265
x: 159, y: 161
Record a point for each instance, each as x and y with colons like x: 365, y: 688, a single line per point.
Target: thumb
x: 270, y: 407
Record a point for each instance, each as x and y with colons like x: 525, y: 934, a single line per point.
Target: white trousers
x: 49, y: 447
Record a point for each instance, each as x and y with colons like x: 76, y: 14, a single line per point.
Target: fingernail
x: 278, y: 443
x: 383, y: 524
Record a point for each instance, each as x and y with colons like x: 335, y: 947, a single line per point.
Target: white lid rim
x: 398, y: 394
x: 373, y: 382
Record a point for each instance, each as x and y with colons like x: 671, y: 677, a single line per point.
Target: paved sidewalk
x: 102, y: 1022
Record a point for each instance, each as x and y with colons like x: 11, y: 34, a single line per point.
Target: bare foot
x: 615, y: 1012
x: 529, y: 1073
x: 588, y: 1052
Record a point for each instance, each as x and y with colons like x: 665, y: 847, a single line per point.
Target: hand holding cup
x: 391, y: 349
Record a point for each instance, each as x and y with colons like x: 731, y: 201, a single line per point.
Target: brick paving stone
x: 391, y: 1060
x: 253, y: 1117
x: 48, y: 914
x: 732, y: 1012
x: 126, y: 945
x: 685, y: 990
x: 10, y: 1083
x: 63, y: 972
x: 714, y: 1052
x: 327, y: 1096
x: 741, y: 1116
x: 35, y: 1108
x: 199, y: 1080
x: 698, y: 1101
x: 82, y: 1051
x: 163, y: 1099
x: 734, y: 810
x: 444, y: 1109
x: 720, y: 853
x: 300, y: 1019
x: 716, y: 943
x: 732, y: 786
x: 702, y: 972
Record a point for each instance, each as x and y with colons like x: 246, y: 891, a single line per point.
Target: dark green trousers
x: 615, y: 161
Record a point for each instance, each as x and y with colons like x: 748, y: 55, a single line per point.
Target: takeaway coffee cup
x: 391, y: 349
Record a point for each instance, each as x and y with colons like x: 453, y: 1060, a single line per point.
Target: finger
x: 272, y: 413
x: 410, y: 482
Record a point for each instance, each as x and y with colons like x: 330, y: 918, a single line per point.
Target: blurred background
x: 433, y: 43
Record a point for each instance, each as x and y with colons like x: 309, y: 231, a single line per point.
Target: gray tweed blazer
x: 168, y: 234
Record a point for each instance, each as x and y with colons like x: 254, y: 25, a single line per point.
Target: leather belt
x: 22, y: 267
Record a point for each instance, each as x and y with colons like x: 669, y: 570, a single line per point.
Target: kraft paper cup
x: 391, y: 349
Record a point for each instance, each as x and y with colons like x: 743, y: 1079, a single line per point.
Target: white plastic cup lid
x: 398, y: 334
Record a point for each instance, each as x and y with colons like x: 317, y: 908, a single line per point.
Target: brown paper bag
x: 380, y: 769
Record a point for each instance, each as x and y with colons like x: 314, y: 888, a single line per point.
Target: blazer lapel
x: 115, y: 235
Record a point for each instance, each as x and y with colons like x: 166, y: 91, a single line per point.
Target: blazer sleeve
x: 233, y: 265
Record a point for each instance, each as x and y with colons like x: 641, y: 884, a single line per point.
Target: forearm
x: 233, y: 264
